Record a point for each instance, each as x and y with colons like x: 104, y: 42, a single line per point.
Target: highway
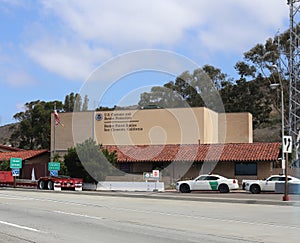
x: 35, y: 216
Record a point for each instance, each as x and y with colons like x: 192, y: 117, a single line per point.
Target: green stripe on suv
x: 213, y: 185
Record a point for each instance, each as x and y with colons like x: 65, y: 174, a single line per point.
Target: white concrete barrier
x: 89, y: 186
x: 130, y: 186
x: 78, y: 186
x: 57, y: 186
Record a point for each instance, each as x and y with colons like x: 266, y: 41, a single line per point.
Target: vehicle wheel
x: 50, y: 185
x: 185, y: 188
x: 255, y: 189
x: 223, y: 188
x: 41, y: 185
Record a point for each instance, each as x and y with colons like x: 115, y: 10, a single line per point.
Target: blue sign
x: 53, y: 172
x: 15, y: 172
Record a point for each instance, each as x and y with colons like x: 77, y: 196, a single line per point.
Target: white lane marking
x: 20, y: 226
x: 79, y: 215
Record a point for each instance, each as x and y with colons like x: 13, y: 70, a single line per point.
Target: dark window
x: 125, y: 167
x: 283, y: 178
x: 212, y: 178
x: 245, y: 169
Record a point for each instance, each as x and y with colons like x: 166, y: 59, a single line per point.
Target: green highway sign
x: 15, y: 163
x: 53, y: 166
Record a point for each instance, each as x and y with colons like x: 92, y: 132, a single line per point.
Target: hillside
x: 5, y: 133
x: 267, y: 134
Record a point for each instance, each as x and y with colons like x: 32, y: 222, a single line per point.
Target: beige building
x: 151, y: 127
x: 180, y: 142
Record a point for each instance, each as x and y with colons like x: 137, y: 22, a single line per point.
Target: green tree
x: 67, y: 104
x: 97, y: 162
x: 85, y: 103
x: 196, y: 89
x: 105, y: 108
x: 33, y: 130
x: 63, y: 168
x: 5, y: 165
x: 247, y: 97
x: 78, y: 103
x: 262, y: 61
x: 164, y: 97
x: 75, y: 167
x: 73, y: 102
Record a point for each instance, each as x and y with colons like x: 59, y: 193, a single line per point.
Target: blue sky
x: 49, y: 48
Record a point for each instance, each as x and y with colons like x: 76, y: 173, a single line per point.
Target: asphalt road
x: 35, y: 216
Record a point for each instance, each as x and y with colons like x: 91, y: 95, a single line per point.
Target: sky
x: 50, y: 48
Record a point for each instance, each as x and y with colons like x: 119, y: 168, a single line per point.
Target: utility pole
x: 294, y: 71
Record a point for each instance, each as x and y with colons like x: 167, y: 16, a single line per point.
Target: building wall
x: 264, y: 170
x: 141, y: 167
x: 210, y: 127
x: 194, y: 171
x: 155, y: 126
x: 40, y: 165
x: 151, y: 126
x: 226, y: 169
x: 70, y: 133
x: 235, y: 127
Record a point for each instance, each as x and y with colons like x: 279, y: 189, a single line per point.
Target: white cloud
x: 125, y: 22
x: 70, y: 60
x: 105, y: 28
x: 233, y: 25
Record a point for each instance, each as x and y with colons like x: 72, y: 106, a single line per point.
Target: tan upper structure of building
x: 151, y: 127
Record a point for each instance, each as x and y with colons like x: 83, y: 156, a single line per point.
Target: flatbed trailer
x: 7, y: 180
x: 59, y: 182
x: 56, y: 183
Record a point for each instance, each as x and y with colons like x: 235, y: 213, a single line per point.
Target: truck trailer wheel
x: 50, y: 185
x: 41, y: 185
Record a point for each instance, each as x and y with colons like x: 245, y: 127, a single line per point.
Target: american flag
x: 57, y: 120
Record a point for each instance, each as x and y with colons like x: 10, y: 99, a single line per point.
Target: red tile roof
x: 194, y: 152
x: 24, y: 154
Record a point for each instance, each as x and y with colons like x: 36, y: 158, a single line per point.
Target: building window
x: 245, y: 169
x: 125, y: 167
